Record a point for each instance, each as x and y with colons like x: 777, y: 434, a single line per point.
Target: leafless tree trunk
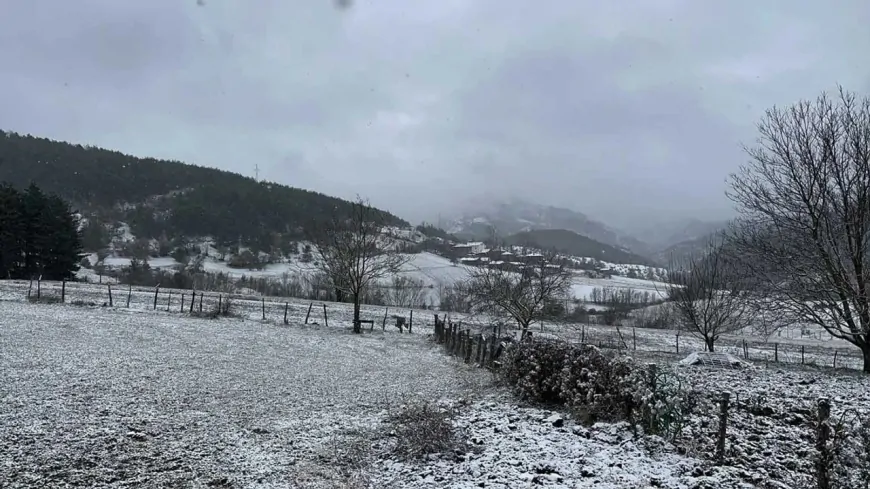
x: 521, y: 293
x: 707, y: 296
x: 804, y: 202
x: 406, y: 291
x: 355, y: 251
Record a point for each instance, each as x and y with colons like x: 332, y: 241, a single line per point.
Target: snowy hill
x: 518, y: 216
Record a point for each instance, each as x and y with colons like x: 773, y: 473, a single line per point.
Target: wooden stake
x: 286, y: 307
x: 325, y: 318
x: 310, y: 305
x: 110, y: 295
x: 129, y: 294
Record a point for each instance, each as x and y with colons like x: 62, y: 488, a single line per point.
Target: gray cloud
x: 623, y: 110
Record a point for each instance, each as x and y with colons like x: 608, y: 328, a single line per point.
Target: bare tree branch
x: 355, y: 251
x: 707, y: 297
x: 520, y: 291
x: 804, y: 202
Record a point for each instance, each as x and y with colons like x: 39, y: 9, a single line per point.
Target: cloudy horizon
x: 622, y: 110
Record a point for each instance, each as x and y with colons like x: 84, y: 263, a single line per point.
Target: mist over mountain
x: 482, y: 219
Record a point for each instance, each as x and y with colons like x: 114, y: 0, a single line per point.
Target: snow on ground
x: 523, y: 447
x: 117, y: 397
x: 114, y: 397
x: 583, y: 286
x: 161, y: 262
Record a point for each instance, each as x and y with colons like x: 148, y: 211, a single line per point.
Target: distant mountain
x: 664, y: 234
x: 166, y: 199
x: 571, y: 243
x: 518, y: 216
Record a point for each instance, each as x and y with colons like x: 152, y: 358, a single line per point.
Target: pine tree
x: 12, y: 226
x: 65, y: 252
x: 36, y: 231
x: 39, y: 235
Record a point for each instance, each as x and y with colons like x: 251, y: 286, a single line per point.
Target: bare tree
x: 406, y: 291
x: 354, y: 251
x: 804, y: 202
x: 707, y: 298
x: 520, y: 292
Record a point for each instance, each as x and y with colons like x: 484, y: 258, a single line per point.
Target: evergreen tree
x: 12, y: 225
x: 39, y: 235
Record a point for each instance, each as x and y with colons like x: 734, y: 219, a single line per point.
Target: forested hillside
x: 571, y: 243
x: 163, y: 198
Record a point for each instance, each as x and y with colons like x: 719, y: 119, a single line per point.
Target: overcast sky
x: 621, y: 109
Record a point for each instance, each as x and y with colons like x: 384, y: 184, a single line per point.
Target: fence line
x: 200, y: 303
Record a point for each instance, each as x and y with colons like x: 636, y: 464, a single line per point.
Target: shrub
x: 534, y: 369
x: 422, y: 428
x: 599, y: 387
x: 595, y: 386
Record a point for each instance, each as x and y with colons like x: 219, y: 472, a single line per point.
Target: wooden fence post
x: 200, y: 301
x: 723, y: 427
x: 29, y: 289
x: 776, y: 352
x: 325, y: 317
x: 384, y: 323
x: 63, y: 292
x: 678, y: 342
x: 264, y: 308
x: 220, y: 304
x: 169, y: 301
x: 110, y: 295
x: 182, y: 302
x: 634, y: 338
x: 192, y: 300
x: 470, y: 348
x: 481, y: 355
x: 156, y: 291
x: 310, y: 305
x: 479, y: 348
x: 38, y: 288
x: 835, y: 358
x: 410, y: 321
x: 745, y: 350
x: 129, y: 294
x: 286, y: 308
x: 823, y: 434
x: 802, y: 354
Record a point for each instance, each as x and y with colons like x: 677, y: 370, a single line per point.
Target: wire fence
x: 213, y: 304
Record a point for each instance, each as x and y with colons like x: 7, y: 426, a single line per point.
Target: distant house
x: 471, y: 248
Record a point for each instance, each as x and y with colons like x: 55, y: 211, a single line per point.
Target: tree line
x: 39, y: 235
x: 163, y: 197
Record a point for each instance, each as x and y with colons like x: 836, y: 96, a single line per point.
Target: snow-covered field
x: 116, y: 397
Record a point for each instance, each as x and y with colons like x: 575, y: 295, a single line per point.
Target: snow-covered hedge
x: 598, y: 387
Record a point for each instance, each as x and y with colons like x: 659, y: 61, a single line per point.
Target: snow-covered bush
x: 534, y: 369
x: 599, y: 387
x: 665, y: 405
x: 596, y: 386
x: 850, y: 450
x: 423, y: 428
